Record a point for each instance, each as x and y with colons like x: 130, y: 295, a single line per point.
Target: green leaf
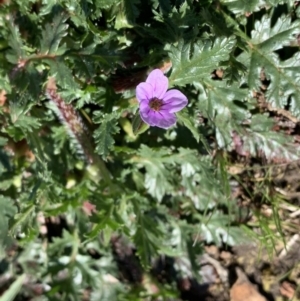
x: 93, y: 56
x: 107, y: 290
x: 105, y: 3
x: 26, y: 84
x: 104, y: 134
x: 175, y: 24
x: 195, y: 169
x: 15, y: 42
x: 242, y: 6
x: 260, y: 140
x: 217, y: 22
x: 131, y: 10
x: 138, y: 125
x: 3, y: 141
x: 59, y: 244
x: 225, y: 106
x: 160, y: 173
x: 188, y: 121
x: 157, y: 178
x: 165, y: 6
x: 13, y: 290
x: 26, y: 123
x: 217, y: 230
x: 263, y: 61
x: 62, y: 73
x: 4, y: 83
x: 8, y: 210
x: 121, y: 21
x: 21, y: 123
x: 145, y: 239
x: 24, y: 217
x: 53, y: 34
x: 192, y: 62
x: 268, y: 38
x: 104, y: 223
x: 47, y: 7
x: 216, y: 98
x: 234, y: 72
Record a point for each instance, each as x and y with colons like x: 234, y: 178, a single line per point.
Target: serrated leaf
x: 269, y: 38
x: 216, y: 98
x: 260, y: 141
x: 225, y: 106
x: 107, y: 290
x: 192, y: 62
x: 165, y: 6
x: 21, y: 218
x: 105, y: 3
x: 217, y: 230
x: 60, y: 243
x: 21, y: 123
x: 47, y: 7
x: 145, y: 239
x: 26, y: 84
x: 131, y: 10
x: 53, y: 34
x: 62, y: 74
x: 157, y: 178
x: 16, y: 43
x: 26, y: 123
x: 104, y: 222
x: 190, y: 123
x: 184, y: 117
x: 199, y: 169
x: 234, y: 72
x: 95, y: 55
x: 217, y: 22
x: 104, y: 134
x: 175, y: 25
x: 146, y: 248
x: 242, y: 6
x: 8, y: 209
x: 264, y: 62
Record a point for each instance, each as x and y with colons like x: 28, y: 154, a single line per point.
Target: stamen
x: 155, y: 104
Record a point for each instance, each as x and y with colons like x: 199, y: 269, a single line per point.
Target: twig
x: 289, y: 245
x: 222, y: 272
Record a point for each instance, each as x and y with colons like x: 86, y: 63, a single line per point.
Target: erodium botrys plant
x: 89, y: 205
x: 157, y: 105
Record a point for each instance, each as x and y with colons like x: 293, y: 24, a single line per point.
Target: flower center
x: 155, y: 104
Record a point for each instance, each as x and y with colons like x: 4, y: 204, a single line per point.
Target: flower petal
x: 174, y: 101
x: 159, y: 82
x: 160, y: 119
x: 148, y: 116
x: 144, y: 106
x: 144, y: 91
x: 165, y: 120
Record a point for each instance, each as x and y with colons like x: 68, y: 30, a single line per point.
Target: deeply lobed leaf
x: 193, y: 62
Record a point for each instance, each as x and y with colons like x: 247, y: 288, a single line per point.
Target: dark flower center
x: 155, y: 104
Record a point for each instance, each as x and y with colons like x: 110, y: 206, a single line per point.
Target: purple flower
x: 157, y: 105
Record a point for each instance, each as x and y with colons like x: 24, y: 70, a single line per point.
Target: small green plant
x: 86, y: 186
